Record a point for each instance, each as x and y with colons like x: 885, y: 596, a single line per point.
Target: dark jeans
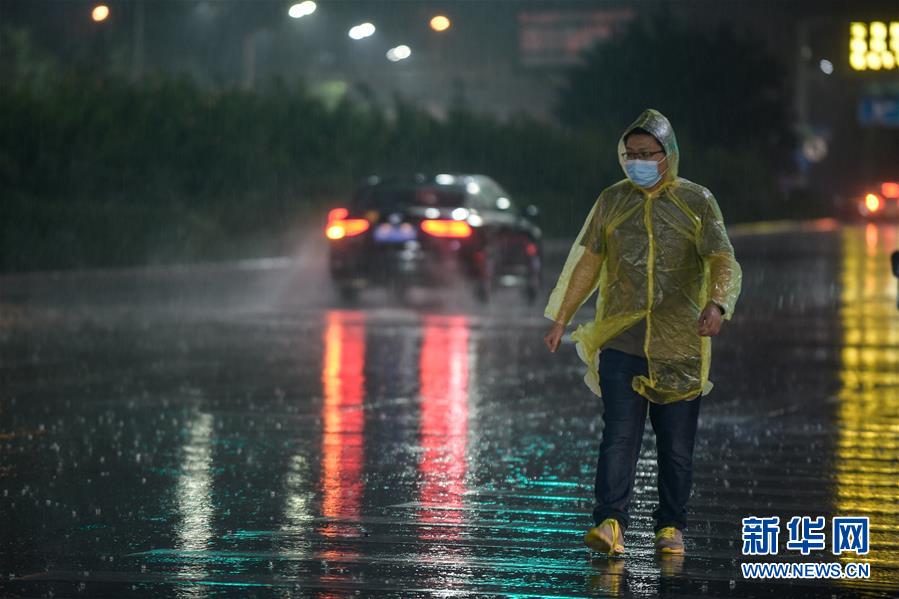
x: 624, y: 417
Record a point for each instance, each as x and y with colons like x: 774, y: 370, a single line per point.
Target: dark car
x: 434, y: 231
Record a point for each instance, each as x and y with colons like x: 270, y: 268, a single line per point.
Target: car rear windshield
x: 384, y: 197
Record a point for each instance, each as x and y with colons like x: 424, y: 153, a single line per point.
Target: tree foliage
x: 717, y: 88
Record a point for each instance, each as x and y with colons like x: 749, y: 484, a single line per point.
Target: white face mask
x: 644, y: 173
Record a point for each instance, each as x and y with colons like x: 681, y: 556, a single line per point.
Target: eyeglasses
x: 641, y: 155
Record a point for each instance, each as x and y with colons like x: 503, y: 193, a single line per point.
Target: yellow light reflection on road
x: 867, y: 448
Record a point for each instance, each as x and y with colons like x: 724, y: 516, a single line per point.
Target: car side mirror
x: 530, y: 211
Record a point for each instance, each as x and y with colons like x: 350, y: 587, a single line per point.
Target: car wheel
x: 482, y: 291
x: 531, y: 291
x: 483, y: 286
x: 535, y: 279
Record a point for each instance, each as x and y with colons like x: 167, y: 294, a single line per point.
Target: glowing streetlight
x: 440, y: 23
x: 298, y: 11
x: 399, y: 53
x: 100, y: 13
x: 362, y: 31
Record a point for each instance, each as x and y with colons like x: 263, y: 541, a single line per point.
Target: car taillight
x: 339, y: 226
x: 446, y: 228
x: 872, y: 202
x: 531, y: 249
x: 890, y: 189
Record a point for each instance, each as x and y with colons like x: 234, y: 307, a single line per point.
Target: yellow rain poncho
x: 661, y: 256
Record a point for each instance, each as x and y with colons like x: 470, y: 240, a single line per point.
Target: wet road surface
x: 233, y: 431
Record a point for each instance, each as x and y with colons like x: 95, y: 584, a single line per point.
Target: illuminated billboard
x: 874, y: 46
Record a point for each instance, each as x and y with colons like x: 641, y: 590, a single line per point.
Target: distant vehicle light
x: 503, y: 203
x: 432, y: 213
x: 444, y: 179
x: 531, y: 249
x: 446, y: 228
x: 337, y: 214
x: 872, y: 202
x: 339, y: 226
x: 346, y: 228
x: 890, y: 189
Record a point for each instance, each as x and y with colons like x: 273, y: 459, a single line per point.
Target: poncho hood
x: 658, y: 126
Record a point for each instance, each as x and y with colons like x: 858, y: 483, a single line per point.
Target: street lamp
x: 440, y: 23
x: 100, y: 13
x: 399, y: 53
x: 298, y: 11
x: 362, y: 31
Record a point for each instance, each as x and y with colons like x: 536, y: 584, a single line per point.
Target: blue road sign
x: 879, y: 110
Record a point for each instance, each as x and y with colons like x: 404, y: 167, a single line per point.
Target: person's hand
x: 710, y: 320
x: 553, y: 338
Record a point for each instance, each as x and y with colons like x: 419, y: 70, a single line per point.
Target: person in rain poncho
x: 655, y: 246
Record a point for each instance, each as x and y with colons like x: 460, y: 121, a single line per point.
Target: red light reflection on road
x: 443, y: 428
x: 343, y: 419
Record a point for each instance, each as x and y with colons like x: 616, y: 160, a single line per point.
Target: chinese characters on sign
x: 805, y: 534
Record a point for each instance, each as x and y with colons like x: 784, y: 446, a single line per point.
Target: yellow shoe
x: 606, y: 538
x: 670, y: 540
